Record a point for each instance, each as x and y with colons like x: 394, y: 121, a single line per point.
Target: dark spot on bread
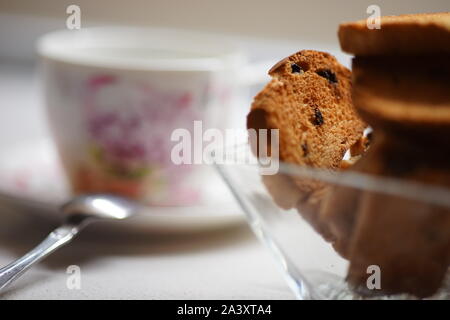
x: 305, y: 149
x: 328, y: 74
x: 257, y: 120
x: 295, y: 68
x: 318, y: 117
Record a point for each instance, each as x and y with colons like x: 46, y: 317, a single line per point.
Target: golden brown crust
x: 399, y: 35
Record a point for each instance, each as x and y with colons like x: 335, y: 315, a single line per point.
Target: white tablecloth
x: 227, y: 264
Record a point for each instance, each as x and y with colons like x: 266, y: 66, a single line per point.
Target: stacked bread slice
x: 401, y: 87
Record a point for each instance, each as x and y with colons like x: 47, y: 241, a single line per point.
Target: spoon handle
x: 59, y: 237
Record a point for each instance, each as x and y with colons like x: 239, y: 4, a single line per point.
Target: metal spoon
x: 78, y: 213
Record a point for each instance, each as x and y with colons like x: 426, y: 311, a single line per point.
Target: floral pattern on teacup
x: 129, y: 124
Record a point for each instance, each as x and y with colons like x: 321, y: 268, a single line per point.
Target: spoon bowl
x: 94, y: 207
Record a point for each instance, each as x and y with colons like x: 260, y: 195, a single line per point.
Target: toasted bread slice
x: 408, y: 34
x: 408, y: 96
x: 309, y: 101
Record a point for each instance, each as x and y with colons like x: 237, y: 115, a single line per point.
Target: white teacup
x: 114, y: 96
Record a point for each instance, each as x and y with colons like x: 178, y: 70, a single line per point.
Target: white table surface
x: 224, y: 264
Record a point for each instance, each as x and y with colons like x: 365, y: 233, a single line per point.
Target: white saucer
x: 32, y: 181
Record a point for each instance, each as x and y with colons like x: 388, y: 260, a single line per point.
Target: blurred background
x: 266, y: 30
x: 298, y: 21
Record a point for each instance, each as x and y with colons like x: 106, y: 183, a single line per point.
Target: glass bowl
x: 394, y: 243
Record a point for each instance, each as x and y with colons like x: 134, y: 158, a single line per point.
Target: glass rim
x: 409, y: 189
